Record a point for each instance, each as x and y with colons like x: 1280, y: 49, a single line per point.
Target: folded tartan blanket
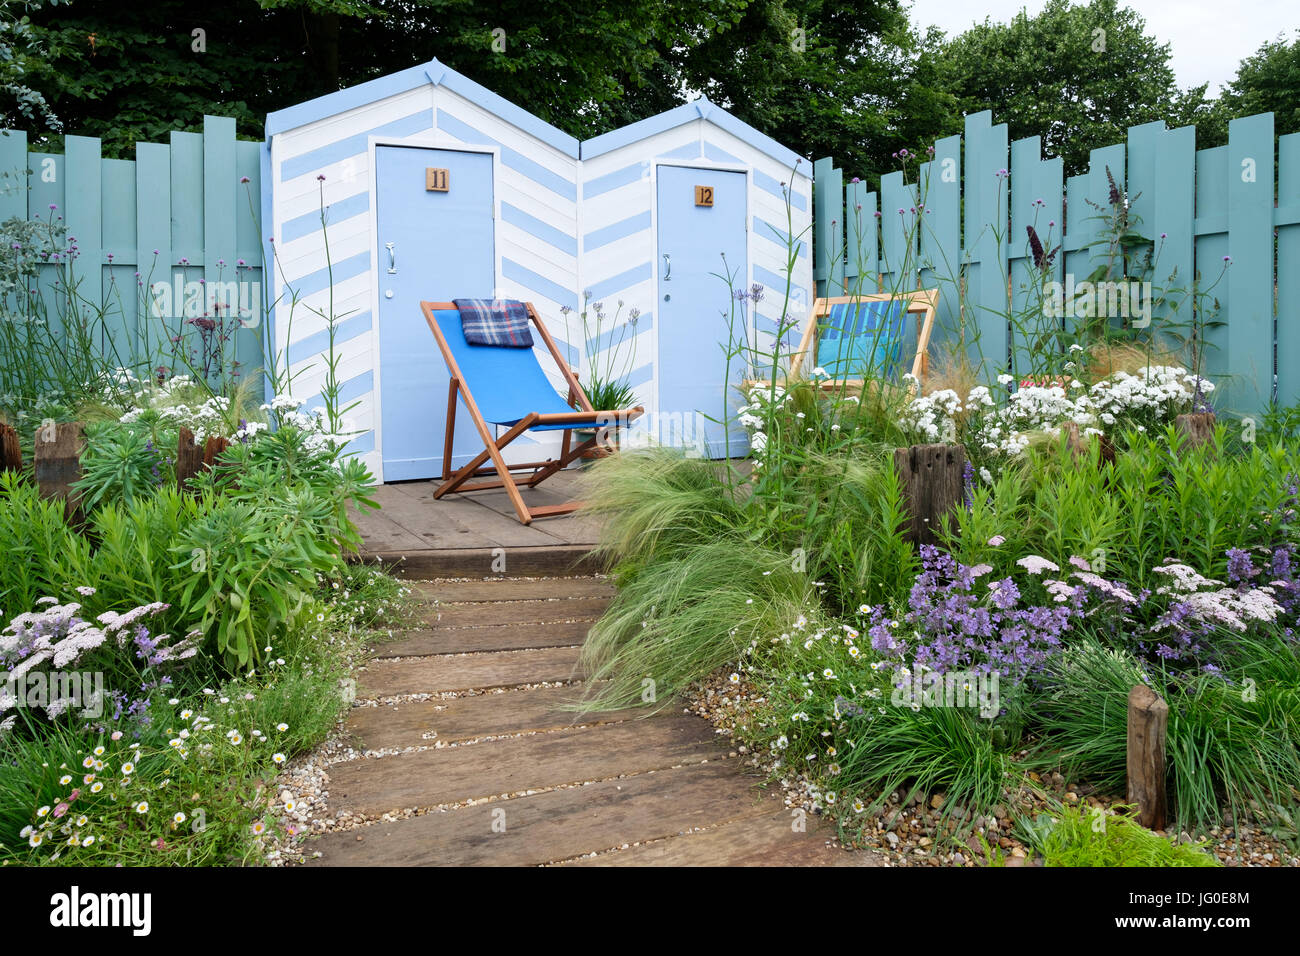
x: 499, y: 322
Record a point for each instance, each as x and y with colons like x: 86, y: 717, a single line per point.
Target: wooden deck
x: 467, y: 752
x: 464, y: 535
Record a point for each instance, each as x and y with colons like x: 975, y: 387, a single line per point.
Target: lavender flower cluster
x: 58, y: 638
x: 953, y: 627
x: 952, y: 624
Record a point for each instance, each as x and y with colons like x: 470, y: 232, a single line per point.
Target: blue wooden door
x: 434, y: 245
x: 694, y: 305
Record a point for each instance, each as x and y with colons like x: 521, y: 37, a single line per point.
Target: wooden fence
x: 179, y: 217
x: 975, y: 195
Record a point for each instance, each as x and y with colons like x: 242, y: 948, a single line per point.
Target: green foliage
x: 20, y: 50
x: 120, y: 464
x: 1153, y: 503
x: 828, y: 709
x: 1232, y: 737
x: 1078, y: 76
x: 42, y: 555
x: 1075, y: 836
x: 683, y: 617
x: 1268, y: 82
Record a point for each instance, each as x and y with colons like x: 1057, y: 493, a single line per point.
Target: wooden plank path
x: 476, y: 534
x: 474, y: 754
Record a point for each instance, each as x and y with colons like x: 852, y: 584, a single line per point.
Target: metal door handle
x: 668, y: 268
x: 392, y: 259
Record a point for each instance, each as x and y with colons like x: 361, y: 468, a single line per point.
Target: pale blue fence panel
x: 1250, y: 277
x: 940, y: 250
x: 897, y: 232
x: 985, y: 242
x: 1173, y: 230
x: 1288, y: 269
x: 861, y: 259
x: 1211, y: 254
x: 1196, y: 211
x: 155, y: 235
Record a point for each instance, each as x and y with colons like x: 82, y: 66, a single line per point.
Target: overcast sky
x: 1208, y: 38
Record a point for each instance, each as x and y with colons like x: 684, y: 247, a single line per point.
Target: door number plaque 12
x: 437, y: 180
x: 704, y: 195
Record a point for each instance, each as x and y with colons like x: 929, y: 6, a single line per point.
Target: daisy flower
x: 278, y: 758
x: 142, y: 807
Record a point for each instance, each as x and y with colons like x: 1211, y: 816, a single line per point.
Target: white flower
x: 1036, y: 565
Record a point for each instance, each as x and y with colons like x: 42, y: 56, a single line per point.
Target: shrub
x: 1233, y: 735
x: 1075, y: 836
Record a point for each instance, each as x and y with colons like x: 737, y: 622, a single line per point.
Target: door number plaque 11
x: 704, y: 195
x: 437, y: 180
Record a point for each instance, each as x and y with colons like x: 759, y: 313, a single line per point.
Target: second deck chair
x: 858, y: 320
x: 506, y: 387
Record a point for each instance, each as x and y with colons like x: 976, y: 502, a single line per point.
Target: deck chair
x: 506, y: 387
x: 842, y: 330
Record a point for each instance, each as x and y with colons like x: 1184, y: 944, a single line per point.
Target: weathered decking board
x: 474, y: 535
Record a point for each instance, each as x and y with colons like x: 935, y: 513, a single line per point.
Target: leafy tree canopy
x: 1078, y: 76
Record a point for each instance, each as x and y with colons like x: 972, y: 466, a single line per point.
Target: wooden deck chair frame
x: 922, y: 303
x: 583, y: 414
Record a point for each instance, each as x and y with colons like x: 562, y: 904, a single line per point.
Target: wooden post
x: 212, y: 450
x: 933, y: 481
x: 189, y: 459
x: 58, y: 461
x: 1148, y: 717
x: 1079, y: 445
x: 1197, y: 428
x: 11, y: 453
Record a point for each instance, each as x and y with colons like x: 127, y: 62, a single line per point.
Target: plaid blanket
x: 498, y: 322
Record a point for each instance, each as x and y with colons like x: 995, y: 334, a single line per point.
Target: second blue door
x: 702, y: 235
x: 434, y: 244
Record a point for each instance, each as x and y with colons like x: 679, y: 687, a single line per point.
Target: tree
x: 1078, y: 76
x: 822, y: 76
x: 134, y: 72
x: 19, y: 49
x: 1268, y: 81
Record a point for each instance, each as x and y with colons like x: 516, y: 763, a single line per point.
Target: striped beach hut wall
x: 680, y: 212
x: 426, y: 185
x: 430, y: 187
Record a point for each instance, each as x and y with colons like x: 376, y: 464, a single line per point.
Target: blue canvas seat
x: 855, y: 338
x: 861, y: 339
x: 507, y: 383
x: 506, y: 387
